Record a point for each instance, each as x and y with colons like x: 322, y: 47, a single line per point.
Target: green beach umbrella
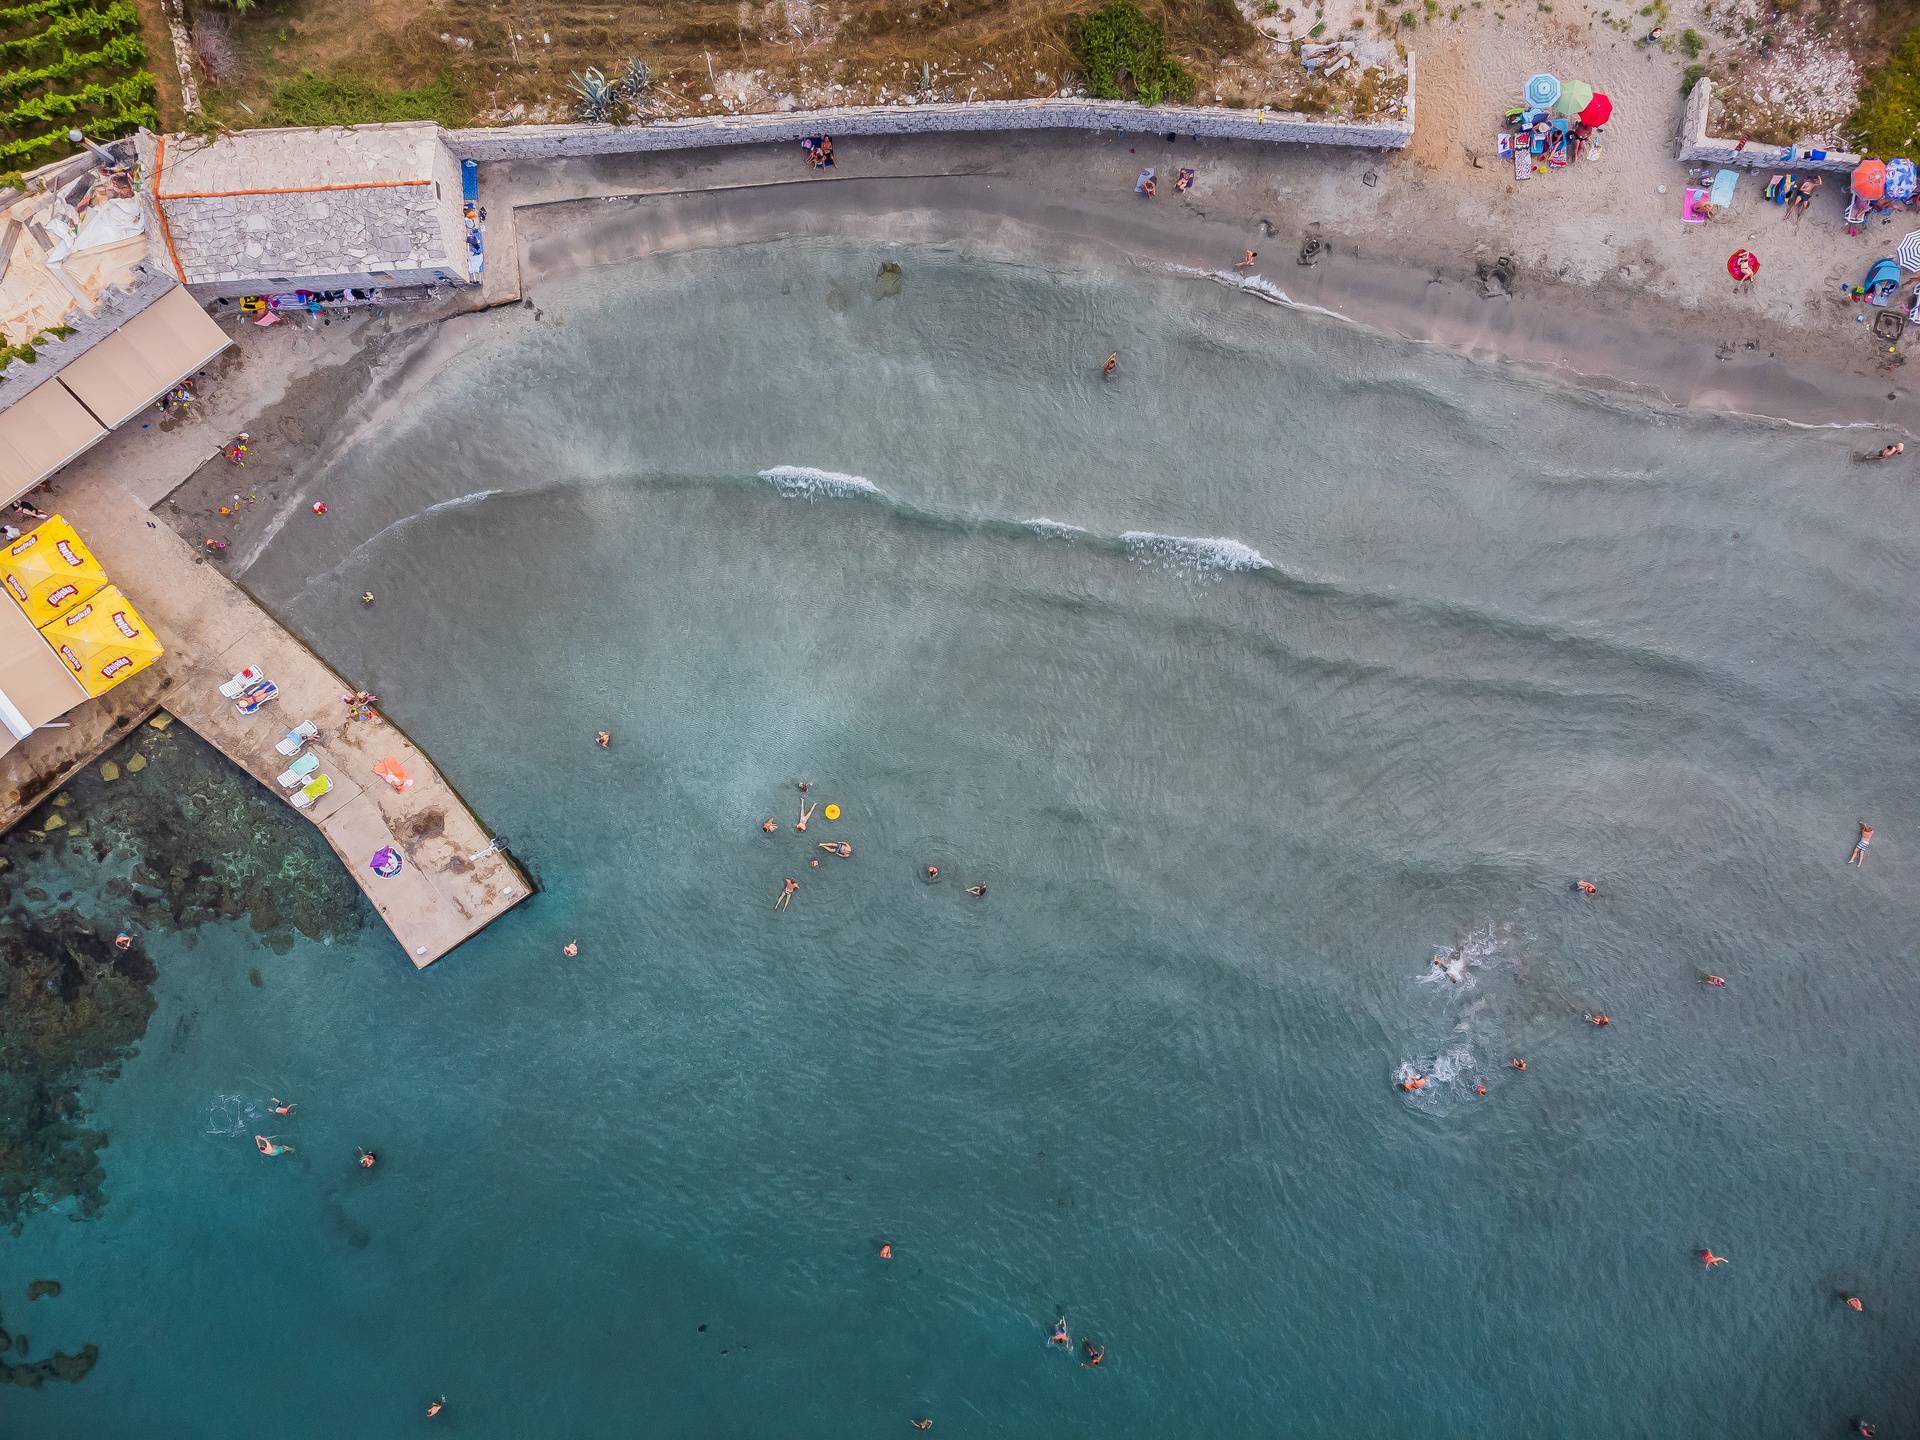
x: 1575, y: 96
x: 1543, y: 90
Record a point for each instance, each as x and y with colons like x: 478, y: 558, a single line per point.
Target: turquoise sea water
x: 1331, y: 657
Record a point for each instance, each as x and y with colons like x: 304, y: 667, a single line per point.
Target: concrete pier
x: 212, y: 629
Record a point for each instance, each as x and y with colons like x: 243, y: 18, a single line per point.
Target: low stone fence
x: 1699, y: 148
x: 551, y: 142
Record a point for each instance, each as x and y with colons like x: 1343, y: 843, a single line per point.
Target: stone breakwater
x: 553, y: 142
x: 1699, y: 148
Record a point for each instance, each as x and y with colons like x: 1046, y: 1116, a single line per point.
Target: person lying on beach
x: 1801, y: 196
x: 788, y: 886
x: 837, y: 847
x: 1144, y: 184
x: 1183, y: 182
x: 1245, y: 262
x: 1860, y: 846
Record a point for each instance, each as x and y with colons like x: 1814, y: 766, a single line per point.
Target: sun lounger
x: 1721, y: 195
x: 290, y: 743
x: 252, y: 675
x: 256, y: 696
x: 312, y: 791
x: 296, y: 774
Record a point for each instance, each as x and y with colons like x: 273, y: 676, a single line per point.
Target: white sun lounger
x: 312, y: 791
x: 252, y: 675
x: 296, y: 774
x: 290, y: 744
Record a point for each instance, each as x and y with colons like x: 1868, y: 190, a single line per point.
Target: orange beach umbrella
x: 1870, y: 179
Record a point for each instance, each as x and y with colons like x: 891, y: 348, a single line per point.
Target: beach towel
x: 1503, y: 144
x: 1721, y: 195
x: 1688, y: 216
x: 1522, y: 163
x: 1557, y: 155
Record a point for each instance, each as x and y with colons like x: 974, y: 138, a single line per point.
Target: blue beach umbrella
x: 1543, y: 90
x: 1902, y: 179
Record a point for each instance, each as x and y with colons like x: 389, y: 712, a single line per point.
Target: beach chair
x: 255, y: 696
x: 291, y: 742
x: 295, y: 775
x: 252, y: 675
x: 312, y: 791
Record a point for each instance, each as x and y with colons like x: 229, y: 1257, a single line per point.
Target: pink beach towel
x: 1687, y: 214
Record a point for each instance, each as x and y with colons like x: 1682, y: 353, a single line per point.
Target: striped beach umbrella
x: 1543, y: 90
x: 1902, y: 179
x: 1909, y: 251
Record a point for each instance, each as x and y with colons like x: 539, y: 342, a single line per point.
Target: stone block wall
x: 117, y: 306
x: 554, y: 142
x: 1699, y: 148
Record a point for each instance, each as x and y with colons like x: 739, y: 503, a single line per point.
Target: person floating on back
x: 1708, y: 1259
x: 1860, y: 846
x: 787, y: 887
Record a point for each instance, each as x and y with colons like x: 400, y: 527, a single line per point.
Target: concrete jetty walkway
x: 212, y: 629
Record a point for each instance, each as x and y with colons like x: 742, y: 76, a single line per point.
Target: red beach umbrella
x: 1599, y: 110
x: 1743, y: 265
x: 1870, y: 179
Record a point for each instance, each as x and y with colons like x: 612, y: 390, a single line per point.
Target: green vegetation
x: 1691, y: 43
x: 352, y: 100
x: 67, y: 64
x: 1124, y: 55
x: 27, y: 349
x: 1691, y: 77
x: 1888, y: 120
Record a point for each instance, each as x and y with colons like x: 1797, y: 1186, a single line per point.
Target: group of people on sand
x: 1148, y: 184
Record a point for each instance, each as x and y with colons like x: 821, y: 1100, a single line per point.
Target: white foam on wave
x: 1053, y: 529
x: 1192, y: 553
x: 803, y: 482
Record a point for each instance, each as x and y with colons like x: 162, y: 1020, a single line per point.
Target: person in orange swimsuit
x: 1708, y: 1259
x: 1413, y: 1083
x: 1601, y: 1019
x: 768, y: 826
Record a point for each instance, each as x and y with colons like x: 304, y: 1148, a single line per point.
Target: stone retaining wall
x: 552, y: 142
x: 1699, y: 148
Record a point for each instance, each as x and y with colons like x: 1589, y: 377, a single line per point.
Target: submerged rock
x: 161, y: 720
x: 37, y: 1288
x: 889, y: 282
x: 109, y: 770
x: 136, y: 763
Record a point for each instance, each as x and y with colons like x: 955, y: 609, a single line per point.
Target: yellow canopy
x: 48, y: 571
x: 104, y: 641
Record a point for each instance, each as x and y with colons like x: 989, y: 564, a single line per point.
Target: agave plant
x: 634, y: 83
x: 595, y: 106
x: 926, y: 78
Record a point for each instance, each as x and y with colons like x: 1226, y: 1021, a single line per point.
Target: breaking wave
x: 803, y: 482
x: 1192, y: 553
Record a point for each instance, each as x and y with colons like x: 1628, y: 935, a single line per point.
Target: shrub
x: 349, y: 100
x: 1691, y: 77
x: 1691, y: 43
x: 213, y: 47
x: 1888, y: 120
x: 1124, y: 55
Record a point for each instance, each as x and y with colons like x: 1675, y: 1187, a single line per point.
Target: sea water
x: 1249, y: 682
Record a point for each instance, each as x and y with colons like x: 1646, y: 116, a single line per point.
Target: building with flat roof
x: 270, y: 211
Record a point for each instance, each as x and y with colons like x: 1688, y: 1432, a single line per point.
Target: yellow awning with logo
x: 48, y: 571
x: 103, y: 641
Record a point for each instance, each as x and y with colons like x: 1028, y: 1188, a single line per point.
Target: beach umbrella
x: 1599, y: 110
x: 1903, y: 179
x: 1575, y: 96
x: 1870, y: 179
x: 1909, y: 251
x: 1543, y: 90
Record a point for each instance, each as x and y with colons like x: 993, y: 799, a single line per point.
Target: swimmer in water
x: 1860, y: 846
x: 1095, y: 1354
x: 570, y: 949
x: 805, y: 785
x: 1413, y: 1083
x: 367, y: 1159
x: 1717, y: 981
x: 837, y: 847
x: 1865, y: 1429
x: 436, y: 1407
x: 366, y: 597
x: 1479, y: 1089
x: 1586, y: 887
x: 1708, y: 1259
x: 806, y: 814
x: 768, y: 826
x: 123, y: 941
x: 1853, y: 1303
x: 603, y: 739
x: 977, y: 891
x: 1112, y: 360
x: 1440, y: 964
x: 1060, y: 1336
x: 279, y: 1108
x: 933, y: 872
x: 923, y: 1424
x: 886, y: 1252
x: 787, y: 887
x: 1600, y: 1019
x: 1516, y: 1063
x: 269, y: 1148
